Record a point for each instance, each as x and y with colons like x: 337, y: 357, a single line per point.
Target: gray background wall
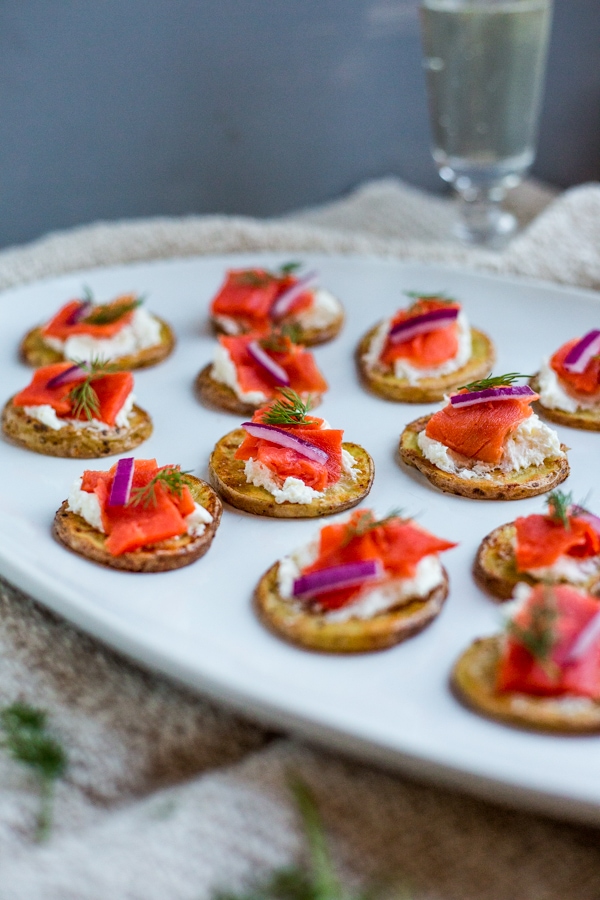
x: 119, y: 108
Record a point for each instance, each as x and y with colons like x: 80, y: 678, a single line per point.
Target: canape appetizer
x: 487, y: 444
x: 121, y: 331
x: 256, y: 299
x: 288, y: 464
x: 248, y: 370
x: 139, y: 517
x: 569, y: 384
x: 362, y: 584
x: 544, y: 671
x: 81, y: 410
x: 562, y: 546
x: 423, y: 352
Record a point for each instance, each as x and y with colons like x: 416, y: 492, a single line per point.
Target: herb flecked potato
x: 527, y: 482
x: 174, y: 553
x: 385, y: 384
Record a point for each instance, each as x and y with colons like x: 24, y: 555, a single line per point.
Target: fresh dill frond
x: 83, y: 396
x: 289, y: 268
x: 291, y: 410
x: 495, y: 381
x: 278, y: 339
x: 367, y: 522
x: 87, y: 295
x: 539, y: 635
x: 442, y: 297
x: 107, y: 313
x: 24, y: 736
x: 261, y: 279
x: 559, y: 503
x: 171, y: 478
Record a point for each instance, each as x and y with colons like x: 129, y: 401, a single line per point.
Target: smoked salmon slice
x: 424, y: 351
x: 479, y: 431
x: 586, y: 383
x: 554, y: 618
x: 298, y: 363
x: 112, y: 390
x: 139, y: 524
x: 249, y: 294
x: 398, y: 544
x: 60, y: 327
x: 541, y: 540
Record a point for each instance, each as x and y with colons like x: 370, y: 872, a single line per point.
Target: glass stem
x: 482, y: 219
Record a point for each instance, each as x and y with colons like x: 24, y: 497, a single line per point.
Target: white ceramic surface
x: 197, y: 624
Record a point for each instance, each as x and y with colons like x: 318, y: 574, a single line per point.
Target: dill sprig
x: 496, y: 381
x: 24, y: 736
x: 366, y: 522
x: 442, y: 297
x: 83, y: 396
x: 277, y: 340
x: 317, y: 880
x: 539, y: 635
x: 171, y: 478
x: 291, y: 410
x: 107, y: 313
x: 559, y: 504
x: 260, y: 279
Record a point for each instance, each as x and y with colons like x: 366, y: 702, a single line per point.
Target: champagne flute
x: 485, y: 62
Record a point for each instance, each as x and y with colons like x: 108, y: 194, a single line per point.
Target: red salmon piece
x: 60, y: 328
x: 111, y: 389
x: 479, y: 431
x: 248, y: 295
x: 424, y: 351
x: 586, y: 384
x: 558, y: 673
x: 298, y: 363
x: 398, y: 544
x: 541, y: 540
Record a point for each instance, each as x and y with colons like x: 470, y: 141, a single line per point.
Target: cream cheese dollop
x: 142, y: 332
x: 224, y: 371
x: 47, y: 415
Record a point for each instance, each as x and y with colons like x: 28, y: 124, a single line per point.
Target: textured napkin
x: 168, y: 797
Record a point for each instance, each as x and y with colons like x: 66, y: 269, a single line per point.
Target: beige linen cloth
x: 169, y: 797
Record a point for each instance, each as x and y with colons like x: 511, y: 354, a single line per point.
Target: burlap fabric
x: 168, y: 797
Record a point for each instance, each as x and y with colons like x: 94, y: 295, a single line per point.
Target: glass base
x: 482, y: 220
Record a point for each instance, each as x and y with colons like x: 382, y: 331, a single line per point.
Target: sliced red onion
x: 80, y: 313
x: 121, y: 486
x: 585, y: 640
x: 588, y: 517
x: 282, y: 304
x: 285, y: 439
x: 578, y: 357
x: 73, y: 373
x: 431, y: 321
x: 336, y: 577
x: 277, y: 373
x: 499, y: 393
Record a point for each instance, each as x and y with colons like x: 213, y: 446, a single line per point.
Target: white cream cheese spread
x: 403, y: 369
x: 530, y: 444
x: 291, y: 490
x: 553, y: 395
x: 47, y: 415
x: 143, y: 331
x: 87, y: 505
x: 223, y: 370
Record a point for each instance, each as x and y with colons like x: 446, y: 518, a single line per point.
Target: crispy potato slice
x: 217, y: 395
x: 386, y: 385
x: 514, y: 486
x: 227, y: 475
x: 585, y: 419
x: 313, y: 631
x: 76, y: 534
x: 473, y: 680
x: 77, y: 443
x: 309, y: 337
x: 495, y: 566
x: 36, y: 352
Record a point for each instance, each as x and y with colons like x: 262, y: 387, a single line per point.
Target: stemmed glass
x: 485, y: 62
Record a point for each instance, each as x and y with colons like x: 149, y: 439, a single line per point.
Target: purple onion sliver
x: 277, y: 372
x: 519, y: 392
x: 578, y: 357
x: 284, y: 301
x: 588, y: 517
x: 585, y: 640
x: 336, y: 577
x: 121, y: 486
x: 80, y: 313
x: 73, y: 373
x: 431, y: 321
x: 284, y: 439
